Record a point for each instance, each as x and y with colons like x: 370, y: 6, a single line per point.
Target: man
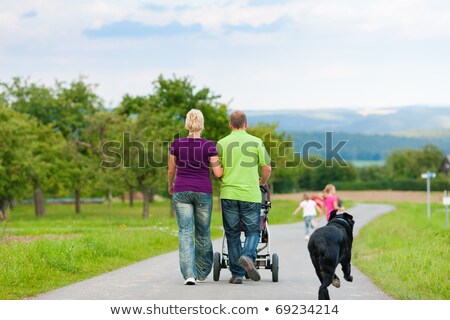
x: 241, y: 155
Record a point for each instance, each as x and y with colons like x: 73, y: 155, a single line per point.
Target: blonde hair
x: 328, y: 188
x: 194, y: 121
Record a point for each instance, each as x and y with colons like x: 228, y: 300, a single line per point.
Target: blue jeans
x: 193, y: 210
x: 233, y: 211
x: 308, y: 224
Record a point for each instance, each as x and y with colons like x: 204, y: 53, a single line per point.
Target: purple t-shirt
x: 193, y: 164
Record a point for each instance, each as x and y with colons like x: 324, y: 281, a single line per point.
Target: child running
x: 310, y: 209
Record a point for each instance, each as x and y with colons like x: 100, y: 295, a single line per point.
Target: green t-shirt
x: 241, y: 154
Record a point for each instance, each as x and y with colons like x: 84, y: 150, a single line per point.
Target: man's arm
x: 265, y: 174
x: 216, y: 167
x: 264, y: 162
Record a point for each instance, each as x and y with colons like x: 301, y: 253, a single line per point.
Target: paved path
x: 159, y: 278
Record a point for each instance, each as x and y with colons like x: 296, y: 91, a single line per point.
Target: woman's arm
x: 171, y: 173
x: 216, y: 167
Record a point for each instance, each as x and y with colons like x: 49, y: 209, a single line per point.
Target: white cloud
x: 314, y: 58
x: 378, y: 112
x: 8, y: 21
x: 406, y: 18
x: 402, y: 18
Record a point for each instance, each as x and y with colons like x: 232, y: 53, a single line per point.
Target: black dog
x: 330, y: 245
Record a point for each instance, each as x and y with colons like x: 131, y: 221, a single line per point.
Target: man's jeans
x: 193, y: 210
x: 233, y: 211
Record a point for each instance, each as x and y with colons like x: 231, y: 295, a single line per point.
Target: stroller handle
x: 264, y: 188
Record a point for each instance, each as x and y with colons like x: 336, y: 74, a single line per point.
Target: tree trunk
x: 12, y: 204
x: 77, y: 201
x: 151, y: 194
x: 39, y: 201
x: 122, y: 198
x: 3, y: 208
x: 110, y: 198
x: 131, y: 197
x: 146, y: 207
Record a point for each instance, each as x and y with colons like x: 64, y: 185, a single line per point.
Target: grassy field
x: 38, y: 255
x: 406, y: 254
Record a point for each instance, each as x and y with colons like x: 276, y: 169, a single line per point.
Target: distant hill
x: 367, y: 147
x: 394, y: 121
x: 371, y: 134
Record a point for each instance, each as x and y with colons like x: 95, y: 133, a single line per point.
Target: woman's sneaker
x: 247, y: 264
x: 189, y: 281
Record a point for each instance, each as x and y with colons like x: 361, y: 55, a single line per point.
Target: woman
x: 190, y: 159
x: 331, y: 201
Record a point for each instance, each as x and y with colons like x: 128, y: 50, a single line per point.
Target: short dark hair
x: 238, y: 119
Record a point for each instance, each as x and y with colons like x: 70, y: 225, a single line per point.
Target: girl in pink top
x: 331, y: 200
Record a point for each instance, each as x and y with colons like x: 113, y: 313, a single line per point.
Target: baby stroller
x: 263, y: 258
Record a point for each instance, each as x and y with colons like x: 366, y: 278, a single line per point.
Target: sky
x: 255, y: 54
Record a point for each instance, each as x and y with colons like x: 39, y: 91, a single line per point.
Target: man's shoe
x: 236, y: 280
x: 247, y: 263
x: 190, y: 281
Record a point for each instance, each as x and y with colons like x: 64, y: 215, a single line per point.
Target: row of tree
x: 402, y: 170
x: 60, y: 140
x: 52, y: 138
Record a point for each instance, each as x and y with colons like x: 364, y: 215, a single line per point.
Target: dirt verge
x: 374, y: 196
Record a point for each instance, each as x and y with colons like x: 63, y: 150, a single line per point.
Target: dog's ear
x: 333, y: 214
x: 348, y: 216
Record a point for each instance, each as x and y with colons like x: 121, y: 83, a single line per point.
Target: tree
x: 76, y: 103
x: 80, y: 170
x: 283, y: 160
x: 146, y: 152
x: 102, y: 128
x: 29, y: 154
x: 410, y: 163
x: 36, y: 100
x: 45, y: 165
x: 65, y: 108
x: 15, y: 134
x: 159, y: 117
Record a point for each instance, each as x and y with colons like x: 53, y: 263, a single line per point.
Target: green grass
x: 406, y: 254
x: 63, y: 247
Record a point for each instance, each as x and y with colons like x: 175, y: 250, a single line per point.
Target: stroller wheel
x: 217, y: 266
x: 275, y: 267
